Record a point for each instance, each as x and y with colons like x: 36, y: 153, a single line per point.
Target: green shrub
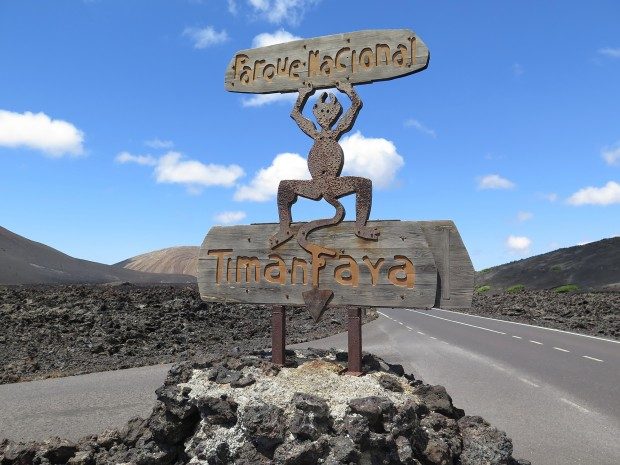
x: 483, y: 289
x: 566, y: 288
x: 486, y: 270
x: 515, y: 288
x: 556, y: 268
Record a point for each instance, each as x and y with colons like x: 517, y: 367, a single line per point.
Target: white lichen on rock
x: 317, y: 377
x: 323, y: 378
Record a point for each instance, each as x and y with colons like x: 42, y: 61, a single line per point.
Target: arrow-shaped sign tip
x: 316, y: 300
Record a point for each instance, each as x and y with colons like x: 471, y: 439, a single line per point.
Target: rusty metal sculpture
x: 325, y: 163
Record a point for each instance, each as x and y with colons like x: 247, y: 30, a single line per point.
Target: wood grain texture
x: 456, y: 274
x: 359, y: 57
x: 398, y: 239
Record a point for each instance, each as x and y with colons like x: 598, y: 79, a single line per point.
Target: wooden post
x: 355, y: 341
x: 278, y: 335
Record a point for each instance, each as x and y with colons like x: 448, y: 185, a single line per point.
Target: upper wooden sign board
x: 359, y: 57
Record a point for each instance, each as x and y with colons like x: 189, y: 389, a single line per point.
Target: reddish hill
x: 180, y: 260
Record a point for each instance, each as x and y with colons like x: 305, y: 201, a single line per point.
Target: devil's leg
x: 362, y: 187
x: 288, y: 191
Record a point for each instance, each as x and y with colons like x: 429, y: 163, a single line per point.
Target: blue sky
x: 117, y: 136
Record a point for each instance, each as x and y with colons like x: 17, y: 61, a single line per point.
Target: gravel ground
x: 52, y: 331
x: 594, y: 313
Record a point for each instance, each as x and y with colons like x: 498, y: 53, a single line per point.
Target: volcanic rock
x: 67, y: 330
x: 307, y: 413
x: 595, y: 313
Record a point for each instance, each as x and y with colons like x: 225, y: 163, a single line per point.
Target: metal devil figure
x: 356, y: 264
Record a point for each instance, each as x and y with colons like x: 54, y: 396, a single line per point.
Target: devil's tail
x: 306, y: 229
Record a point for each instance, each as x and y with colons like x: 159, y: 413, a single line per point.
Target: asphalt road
x: 77, y: 406
x: 556, y: 394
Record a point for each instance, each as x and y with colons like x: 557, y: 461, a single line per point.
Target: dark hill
x: 23, y: 261
x: 593, y: 266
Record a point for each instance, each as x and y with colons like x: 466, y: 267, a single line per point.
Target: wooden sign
x: 455, y: 271
x: 236, y: 264
x: 359, y: 57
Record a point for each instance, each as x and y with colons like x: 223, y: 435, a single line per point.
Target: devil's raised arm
x: 348, y: 120
x: 304, y: 123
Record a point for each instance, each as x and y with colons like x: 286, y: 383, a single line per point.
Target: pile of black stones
x: 424, y: 429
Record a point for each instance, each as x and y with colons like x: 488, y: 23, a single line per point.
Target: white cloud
x: 610, y: 52
x: 233, y: 217
x: 145, y: 160
x: 195, y: 175
x: 374, y: 158
x: 550, y: 197
x: 519, y: 244
x: 40, y: 132
x: 522, y: 217
x: 278, y: 37
x: 611, y: 155
x: 414, y: 123
x: 158, y: 143
x: 172, y: 169
x: 264, y: 185
x: 607, y: 195
x: 277, y: 11
x: 494, y: 181
x: 232, y: 7
x: 205, y: 37
x: 259, y: 100
x: 517, y: 69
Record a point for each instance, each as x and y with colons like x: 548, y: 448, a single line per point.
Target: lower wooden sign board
x: 403, y: 268
x: 455, y: 271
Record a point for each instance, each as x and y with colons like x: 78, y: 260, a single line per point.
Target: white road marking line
x: 420, y: 332
x: 536, y: 342
x: 433, y: 337
x: 396, y: 321
x: 531, y: 326
x: 561, y: 350
x: 573, y: 404
x: 499, y: 367
x: 458, y: 322
x: 527, y: 381
x: 445, y: 342
x: 517, y: 337
x: 592, y: 358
